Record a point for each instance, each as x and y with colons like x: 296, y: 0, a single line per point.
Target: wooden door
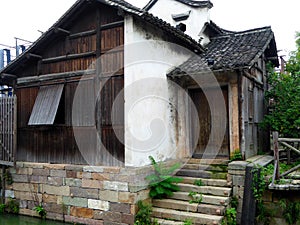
x: 204, y: 116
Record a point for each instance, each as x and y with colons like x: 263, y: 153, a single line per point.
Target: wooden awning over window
x: 46, y: 105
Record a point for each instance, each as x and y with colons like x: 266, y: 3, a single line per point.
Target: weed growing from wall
x: 162, y: 184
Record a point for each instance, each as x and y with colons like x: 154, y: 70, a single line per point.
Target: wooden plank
x: 290, y: 147
x: 46, y: 105
x: 276, y: 155
x: 67, y: 57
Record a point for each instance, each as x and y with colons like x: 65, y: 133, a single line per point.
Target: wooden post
x: 3, y: 186
x: 276, y: 155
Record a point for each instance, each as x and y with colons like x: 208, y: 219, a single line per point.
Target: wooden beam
x: 291, y: 170
x: 276, y: 155
x: 8, y: 76
x: 112, y: 25
x: 83, y: 34
x: 289, y: 139
x: 31, y: 55
x: 60, y: 30
x: 67, y: 57
x: 54, y: 76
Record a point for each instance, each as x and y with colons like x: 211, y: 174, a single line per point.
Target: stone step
x: 167, y: 222
x: 202, y: 174
x: 216, y: 168
x: 189, y: 207
x: 206, y: 199
x: 208, y: 161
x: 196, y: 218
x: 208, y: 190
x: 206, y: 182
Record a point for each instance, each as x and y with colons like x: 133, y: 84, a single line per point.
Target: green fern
x: 161, y: 183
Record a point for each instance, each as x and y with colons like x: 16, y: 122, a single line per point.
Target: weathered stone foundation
x: 79, y: 194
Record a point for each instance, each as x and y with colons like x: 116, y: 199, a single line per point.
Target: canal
x: 8, y: 219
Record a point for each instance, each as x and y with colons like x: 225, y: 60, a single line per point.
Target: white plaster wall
x: 194, y: 24
x: 150, y: 125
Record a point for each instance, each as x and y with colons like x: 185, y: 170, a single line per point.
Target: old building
x: 110, y: 84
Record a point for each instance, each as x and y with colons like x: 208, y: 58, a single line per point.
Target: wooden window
x: 46, y: 105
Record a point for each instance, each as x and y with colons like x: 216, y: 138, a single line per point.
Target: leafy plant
x: 143, y: 215
x: 188, y: 222
x: 2, y: 208
x: 284, y: 97
x: 237, y: 155
x: 198, y: 182
x: 161, y: 183
x: 196, y: 197
x: 8, y: 177
x: 234, y: 202
x: 229, y: 217
x: 12, y: 206
x: 291, y: 211
x: 41, y: 211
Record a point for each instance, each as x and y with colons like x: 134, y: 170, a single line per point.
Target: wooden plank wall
x: 93, y: 34
x: 7, y: 130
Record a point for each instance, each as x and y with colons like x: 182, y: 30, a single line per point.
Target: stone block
x: 115, y: 186
x: 51, y: 207
x: 58, y: 173
x: 25, y: 187
x: 120, y: 207
x: 12, y: 170
x: 100, y: 176
x: 98, y: 214
x: 55, y: 216
x: 34, y: 165
x: 74, y: 167
x: 237, y: 165
x: 20, y: 178
x: 73, y: 182
x: 98, y: 204
x: 23, y: 204
x: 57, y: 181
x: 19, y: 164
x: 111, y: 169
x: 92, y: 183
x: 27, y: 212
x: 22, y: 195
x: 56, y: 190
x: 24, y: 171
x: 82, y: 212
x: 93, y: 169
x: 84, y: 192
x: 55, y: 166
x: 108, y: 195
x: 238, y: 180
x: 112, y: 216
x: 41, y: 172
x: 71, y: 174
x: 127, y: 197
x: 86, y: 221
x: 49, y: 198
x: 9, y: 194
x: 39, y: 179
x: 127, y: 219
x: 79, y: 202
x: 86, y: 175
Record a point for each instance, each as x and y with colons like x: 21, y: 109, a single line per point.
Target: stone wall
x: 79, y: 194
x: 241, y: 177
x: 272, y: 199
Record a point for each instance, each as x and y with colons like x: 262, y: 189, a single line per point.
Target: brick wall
x: 79, y: 194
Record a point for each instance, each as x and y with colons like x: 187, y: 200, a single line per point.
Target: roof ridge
x: 237, y: 33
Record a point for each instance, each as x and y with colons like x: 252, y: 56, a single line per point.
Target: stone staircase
x: 201, y: 202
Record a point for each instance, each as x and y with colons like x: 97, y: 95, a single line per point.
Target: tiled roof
x: 195, y: 4
x: 232, y: 50
x: 198, y: 4
x: 120, y: 4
